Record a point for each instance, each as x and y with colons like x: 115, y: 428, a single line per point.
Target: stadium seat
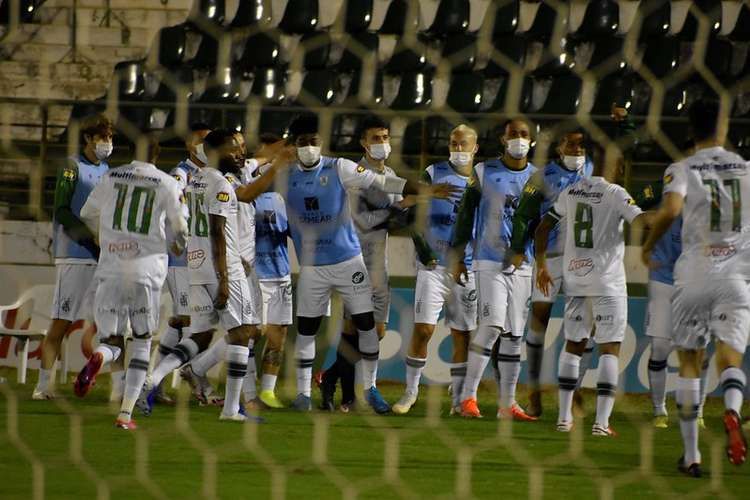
x: 300, y: 16
x: 399, y: 20
x: 679, y: 99
x: 358, y: 45
x: 172, y: 46
x: 23, y: 322
x: 208, y: 53
x: 26, y: 11
x: 506, y: 19
x: 512, y: 47
x: 451, y: 17
x: 276, y: 120
x: 655, y: 19
x: 718, y: 58
x: 623, y: 88
x: 605, y: 54
x: 252, y: 12
x: 407, y: 57
x: 460, y: 51
x: 429, y: 135
x: 318, y: 50
x: 261, y: 51
x: 735, y: 21
x: 130, y: 80
x: 544, y: 24
x: 662, y: 57
x: 269, y: 84
x: 208, y: 11
x: 711, y: 9
x: 496, y: 91
x: 560, y: 95
x: 344, y: 130
x: 466, y: 92
x: 322, y: 87
x: 600, y: 20
x: 407, y: 90
x: 358, y: 15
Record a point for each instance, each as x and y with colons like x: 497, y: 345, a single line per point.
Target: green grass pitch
x: 349, y: 456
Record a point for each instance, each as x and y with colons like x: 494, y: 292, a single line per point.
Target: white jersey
x: 593, y: 259
x: 209, y: 193
x: 716, y: 222
x: 130, y: 206
x: 245, y: 222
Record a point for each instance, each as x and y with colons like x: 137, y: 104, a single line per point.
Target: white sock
x: 509, y: 366
x: 117, y: 384
x: 43, y: 383
x: 135, y: 375
x: 606, y: 388
x: 236, y: 357
x: 688, y: 400
x: 249, y: 387
x: 704, y: 382
x: 167, y: 341
x: 733, y: 385
x: 458, y: 373
x: 210, y: 357
x: 268, y: 382
x: 109, y: 353
x: 657, y: 373
x: 480, y: 350
x: 534, y: 356
x: 414, y: 367
x: 183, y: 352
x: 369, y: 348
x: 568, y: 367
x: 304, y: 352
x: 588, y: 354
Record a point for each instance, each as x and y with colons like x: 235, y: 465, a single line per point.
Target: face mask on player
x: 380, y: 151
x: 308, y: 156
x: 102, y: 150
x: 461, y: 158
x: 574, y: 163
x: 200, y: 154
x: 518, y: 148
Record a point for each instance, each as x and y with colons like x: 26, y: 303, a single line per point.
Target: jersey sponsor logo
x: 125, y: 249
x: 200, y: 309
x: 358, y: 277
x: 581, y: 267
x: 720, y: 253
x: 222, y: 196
x: 312, y: 203
x: 69, y: 174
x: 631, y: 201
x: 360, y: 169
x: 591, y: 197
x: 734, y: 168
x: 605, y: 319
x: 184, y: 299
x: 668, y: 179
x: 196, y: 258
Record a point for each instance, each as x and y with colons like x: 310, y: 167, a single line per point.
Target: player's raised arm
x: 675, y: 188
x: 283, y: 156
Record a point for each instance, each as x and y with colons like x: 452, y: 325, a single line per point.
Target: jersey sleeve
x: 625, y: 204
x: 92, y: 208
x: 355, y: 176
x: 176, y: 210
x: 219, y: 198
x: 180, y: 176
x: 528, y: 211
x: 675, y: 180
x: 560, y: 208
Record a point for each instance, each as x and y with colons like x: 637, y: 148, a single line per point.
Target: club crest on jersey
x: 529, y: 189
x: 668, y: 178
x: 222, y: 196
x: 581, y: 267
x: 323, y: 180
x: 69, y: 174
x: 358, y: 277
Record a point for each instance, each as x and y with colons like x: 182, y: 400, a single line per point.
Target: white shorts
x: 436, y: 289
x: 74, y: 292
x: 239, y: 310
x: 715, y: 308
x: 608, y: 314
x: 118, y: 301
x: 659, y: 312
x: 349, y: 278
x: 277, y: 301
x: 503, y: 300
x: 179, y: 288
x: 554, y: 266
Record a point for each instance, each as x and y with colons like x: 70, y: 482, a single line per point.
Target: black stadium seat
x: 466, y: 92
x: 600, y: 20
x: 318, y: 50
x: 300, y: 16
x: 740, y: 32
x: 452, y: 17
x: 544, y: 24
x: 711, y: 9
x: 655, y: 19
x: 563, y: 97
x: 407, y: 57
x: 460, y: 50
x: 130, y: 80
x: 512, y: 47
x: 276, y: 120
x: 269, y: 84
x: 358, y: 15
x: 322, y: 86
x: 358, y: 45
x: 261, y: 51
x: 252, y: 12
x: 397, y: 17
x: 414, y: 90
x: 208, y: 11
x: 506, y: 18
x: 172, y: 46
x: 663, y: 57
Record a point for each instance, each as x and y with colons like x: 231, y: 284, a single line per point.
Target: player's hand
x: 443, y: 191
x: 266, y: 153
x: 460, y: 273
x: 432, y: 264
x: 618, y: 113
x: 222, y: 296
x: 176, y: 248
x: 543, y: 280
x: 517, y: 260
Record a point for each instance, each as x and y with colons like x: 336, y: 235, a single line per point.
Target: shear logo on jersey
x: 126, y: 249
x: 358, y: 277
x: 196, y: 258
x: 222, y: 196
x: 312, y: 203
x: 581, y: 267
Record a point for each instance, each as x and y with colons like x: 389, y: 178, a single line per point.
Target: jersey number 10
x: 140, y: 208
x: 733, y: 186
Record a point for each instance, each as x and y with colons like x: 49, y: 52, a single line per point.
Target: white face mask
x: 200, y: 154
x: 461, y: 158
x: 102, y: 150
x: 574, y: 163
x: 518, y: 148
x: 380, y: 151
x: 308, y: 155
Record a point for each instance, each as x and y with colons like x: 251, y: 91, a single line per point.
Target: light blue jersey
x: 555, y: 179
x: 84, y: 175
x: 318, y: 209
x: 666, y: 251
x: 271, y: 231
x: 441, y: 214
x: 501, y: 190
x: 183, y: 172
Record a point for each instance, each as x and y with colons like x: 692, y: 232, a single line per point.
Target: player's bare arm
x: 541, y: 239
x: 670, y: 209
x: 282, y: 159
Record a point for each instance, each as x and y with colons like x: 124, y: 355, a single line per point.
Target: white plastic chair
x: 22, y: 322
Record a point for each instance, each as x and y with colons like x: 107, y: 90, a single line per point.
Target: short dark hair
x: 579, y: 130
x: 704, y: 118
x: 507, y: 122
x: 217, y: 138
x: 98, y: 124
x: 371, y: 122
x: 268, y: 138
x: 306, y: 123
x: 198, y: 126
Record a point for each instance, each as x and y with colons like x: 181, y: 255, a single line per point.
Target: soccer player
x: 130, y: 207
x: 711, y: 296
x: 435, y: 288
x: 330, y: 256
x: 177, y: 273
x: 503, y: 290
x: 373, y: 211
x: 75, y: 247
x: 219, y: 290
x: 593, y: 266
x: 539, y: 194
